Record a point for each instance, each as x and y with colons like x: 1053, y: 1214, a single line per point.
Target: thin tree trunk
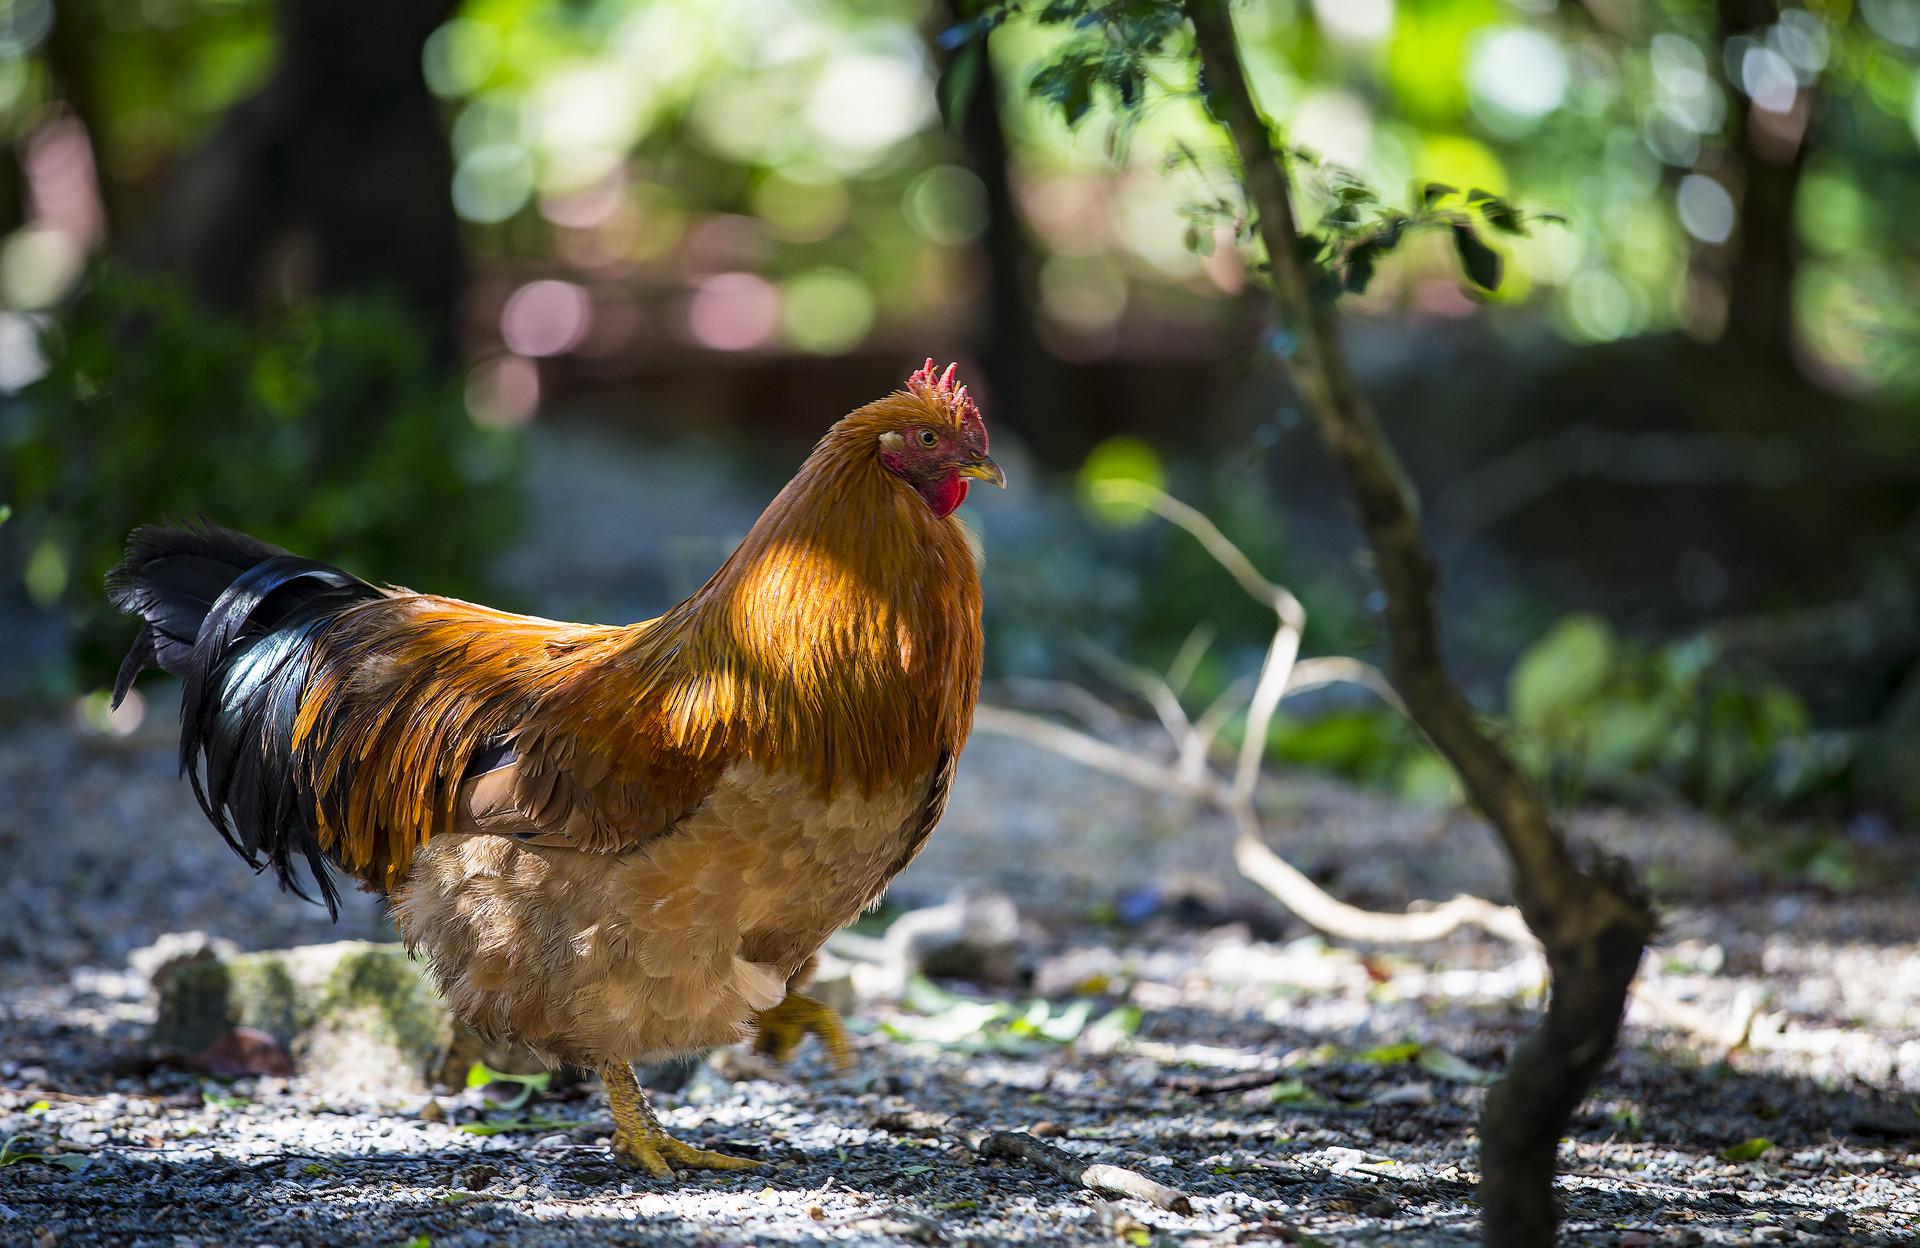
x: 1591, y: 921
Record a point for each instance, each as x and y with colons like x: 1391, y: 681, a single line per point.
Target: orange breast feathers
x: 840, y: 641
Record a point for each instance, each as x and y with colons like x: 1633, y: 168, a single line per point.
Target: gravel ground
x: 1361, y: 1128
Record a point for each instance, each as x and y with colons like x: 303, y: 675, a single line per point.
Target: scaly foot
x: 639, y: 1141
x: 658, y: 1153
x: 782, y: 1028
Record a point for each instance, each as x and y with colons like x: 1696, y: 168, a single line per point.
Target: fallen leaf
x: 1749, y: 1150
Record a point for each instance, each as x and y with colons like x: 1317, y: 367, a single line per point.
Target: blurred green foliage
x: 1605, y: 715
x: 328, y: 432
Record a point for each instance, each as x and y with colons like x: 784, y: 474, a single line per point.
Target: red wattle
x: 945, y: 495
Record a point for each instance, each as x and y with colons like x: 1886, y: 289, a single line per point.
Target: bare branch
x: 1070, y: 743
x: 1301, y: 895
x: 1192, y: 650
x: 1311, y: 674
x: 1067, y: 698
x: 1153, y: 688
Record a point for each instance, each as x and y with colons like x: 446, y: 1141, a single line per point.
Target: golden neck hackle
x: 844, y: 630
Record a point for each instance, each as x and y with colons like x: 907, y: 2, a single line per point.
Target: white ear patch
x: 892, y: 442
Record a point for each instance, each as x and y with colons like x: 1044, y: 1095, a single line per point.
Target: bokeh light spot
x: 733, y: 312
x: 1706, y: 210
x: 1355, y: 21
x: 492, y: 183
x: 504, y: 392
x: 545, y: 318
x: 1599, y: 305
x: 37, y: 266
x: 826, y: 310
x: 946, y: 204
x: 1517, y: 73
x: 22, y: 360
x: 459, y: 57
x: 1120, y: 458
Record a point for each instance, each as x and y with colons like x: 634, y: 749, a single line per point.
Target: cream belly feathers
x: 590, y: 958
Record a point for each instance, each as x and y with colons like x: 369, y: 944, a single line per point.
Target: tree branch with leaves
x: 1589, y: 915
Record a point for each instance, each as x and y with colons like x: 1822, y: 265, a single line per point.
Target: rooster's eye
x: 927, y: 437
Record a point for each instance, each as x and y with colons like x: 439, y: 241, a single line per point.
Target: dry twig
x: 1282, y: 673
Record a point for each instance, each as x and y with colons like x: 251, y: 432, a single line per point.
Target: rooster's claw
x: 653, y: 1152
x: 782, y: 1028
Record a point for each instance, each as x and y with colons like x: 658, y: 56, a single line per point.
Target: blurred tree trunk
x: 1769, y: 151
x: 335, y: 177
x: 1028, y: 381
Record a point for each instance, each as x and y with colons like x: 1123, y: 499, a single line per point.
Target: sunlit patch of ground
x: 1782, y: 1020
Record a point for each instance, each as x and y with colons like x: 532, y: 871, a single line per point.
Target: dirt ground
x: 1142, y: 1007
x: 1149, y: 1012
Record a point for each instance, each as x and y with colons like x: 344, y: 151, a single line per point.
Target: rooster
x: 610, y: 844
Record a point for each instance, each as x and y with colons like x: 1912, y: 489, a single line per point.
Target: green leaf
x: 419, y: 1241
x: 1447, y: 1066
x: 1291, y: 1092
x: 1748, y: 1150
x: 479, y: 1075
x: 1481, y: 262
x: 1068, y: 84
x: 1392, y: 1054
x: 1561, y: 673
x: 1501, y: 215
x: 958, y: 83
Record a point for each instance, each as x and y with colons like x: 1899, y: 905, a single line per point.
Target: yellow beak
x: 984, y: 469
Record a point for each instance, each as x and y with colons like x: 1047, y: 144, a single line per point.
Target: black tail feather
x: 237, y: 619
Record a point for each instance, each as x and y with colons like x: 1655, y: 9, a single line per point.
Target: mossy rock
x: 350, y: 1014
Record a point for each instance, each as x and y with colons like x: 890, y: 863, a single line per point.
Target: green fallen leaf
x: 1291, y: 1092
x: 915, y: 1169
x: 314, y: 1169
x: 956, y: 1206
x: 1447, y: 1066
x: 514, y: 1125
x: 1749, y: 1150
x: 1392, y: 1054
x: 419, y: 1241
x: 9, y: 1156
x: 210, y: 1094
x: 479, y: 1075
x: 39, y: 1107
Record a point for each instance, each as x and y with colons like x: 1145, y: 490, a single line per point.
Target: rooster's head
x: 937, y: 443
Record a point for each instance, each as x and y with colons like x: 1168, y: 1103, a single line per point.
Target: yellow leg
x: 639, y: 1141
x: 783, y: 1027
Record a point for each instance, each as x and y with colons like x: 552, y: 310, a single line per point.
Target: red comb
x: 942, y: 384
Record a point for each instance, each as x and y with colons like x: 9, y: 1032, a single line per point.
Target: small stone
x: 432, y: 1111
x: 477, y: 1178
